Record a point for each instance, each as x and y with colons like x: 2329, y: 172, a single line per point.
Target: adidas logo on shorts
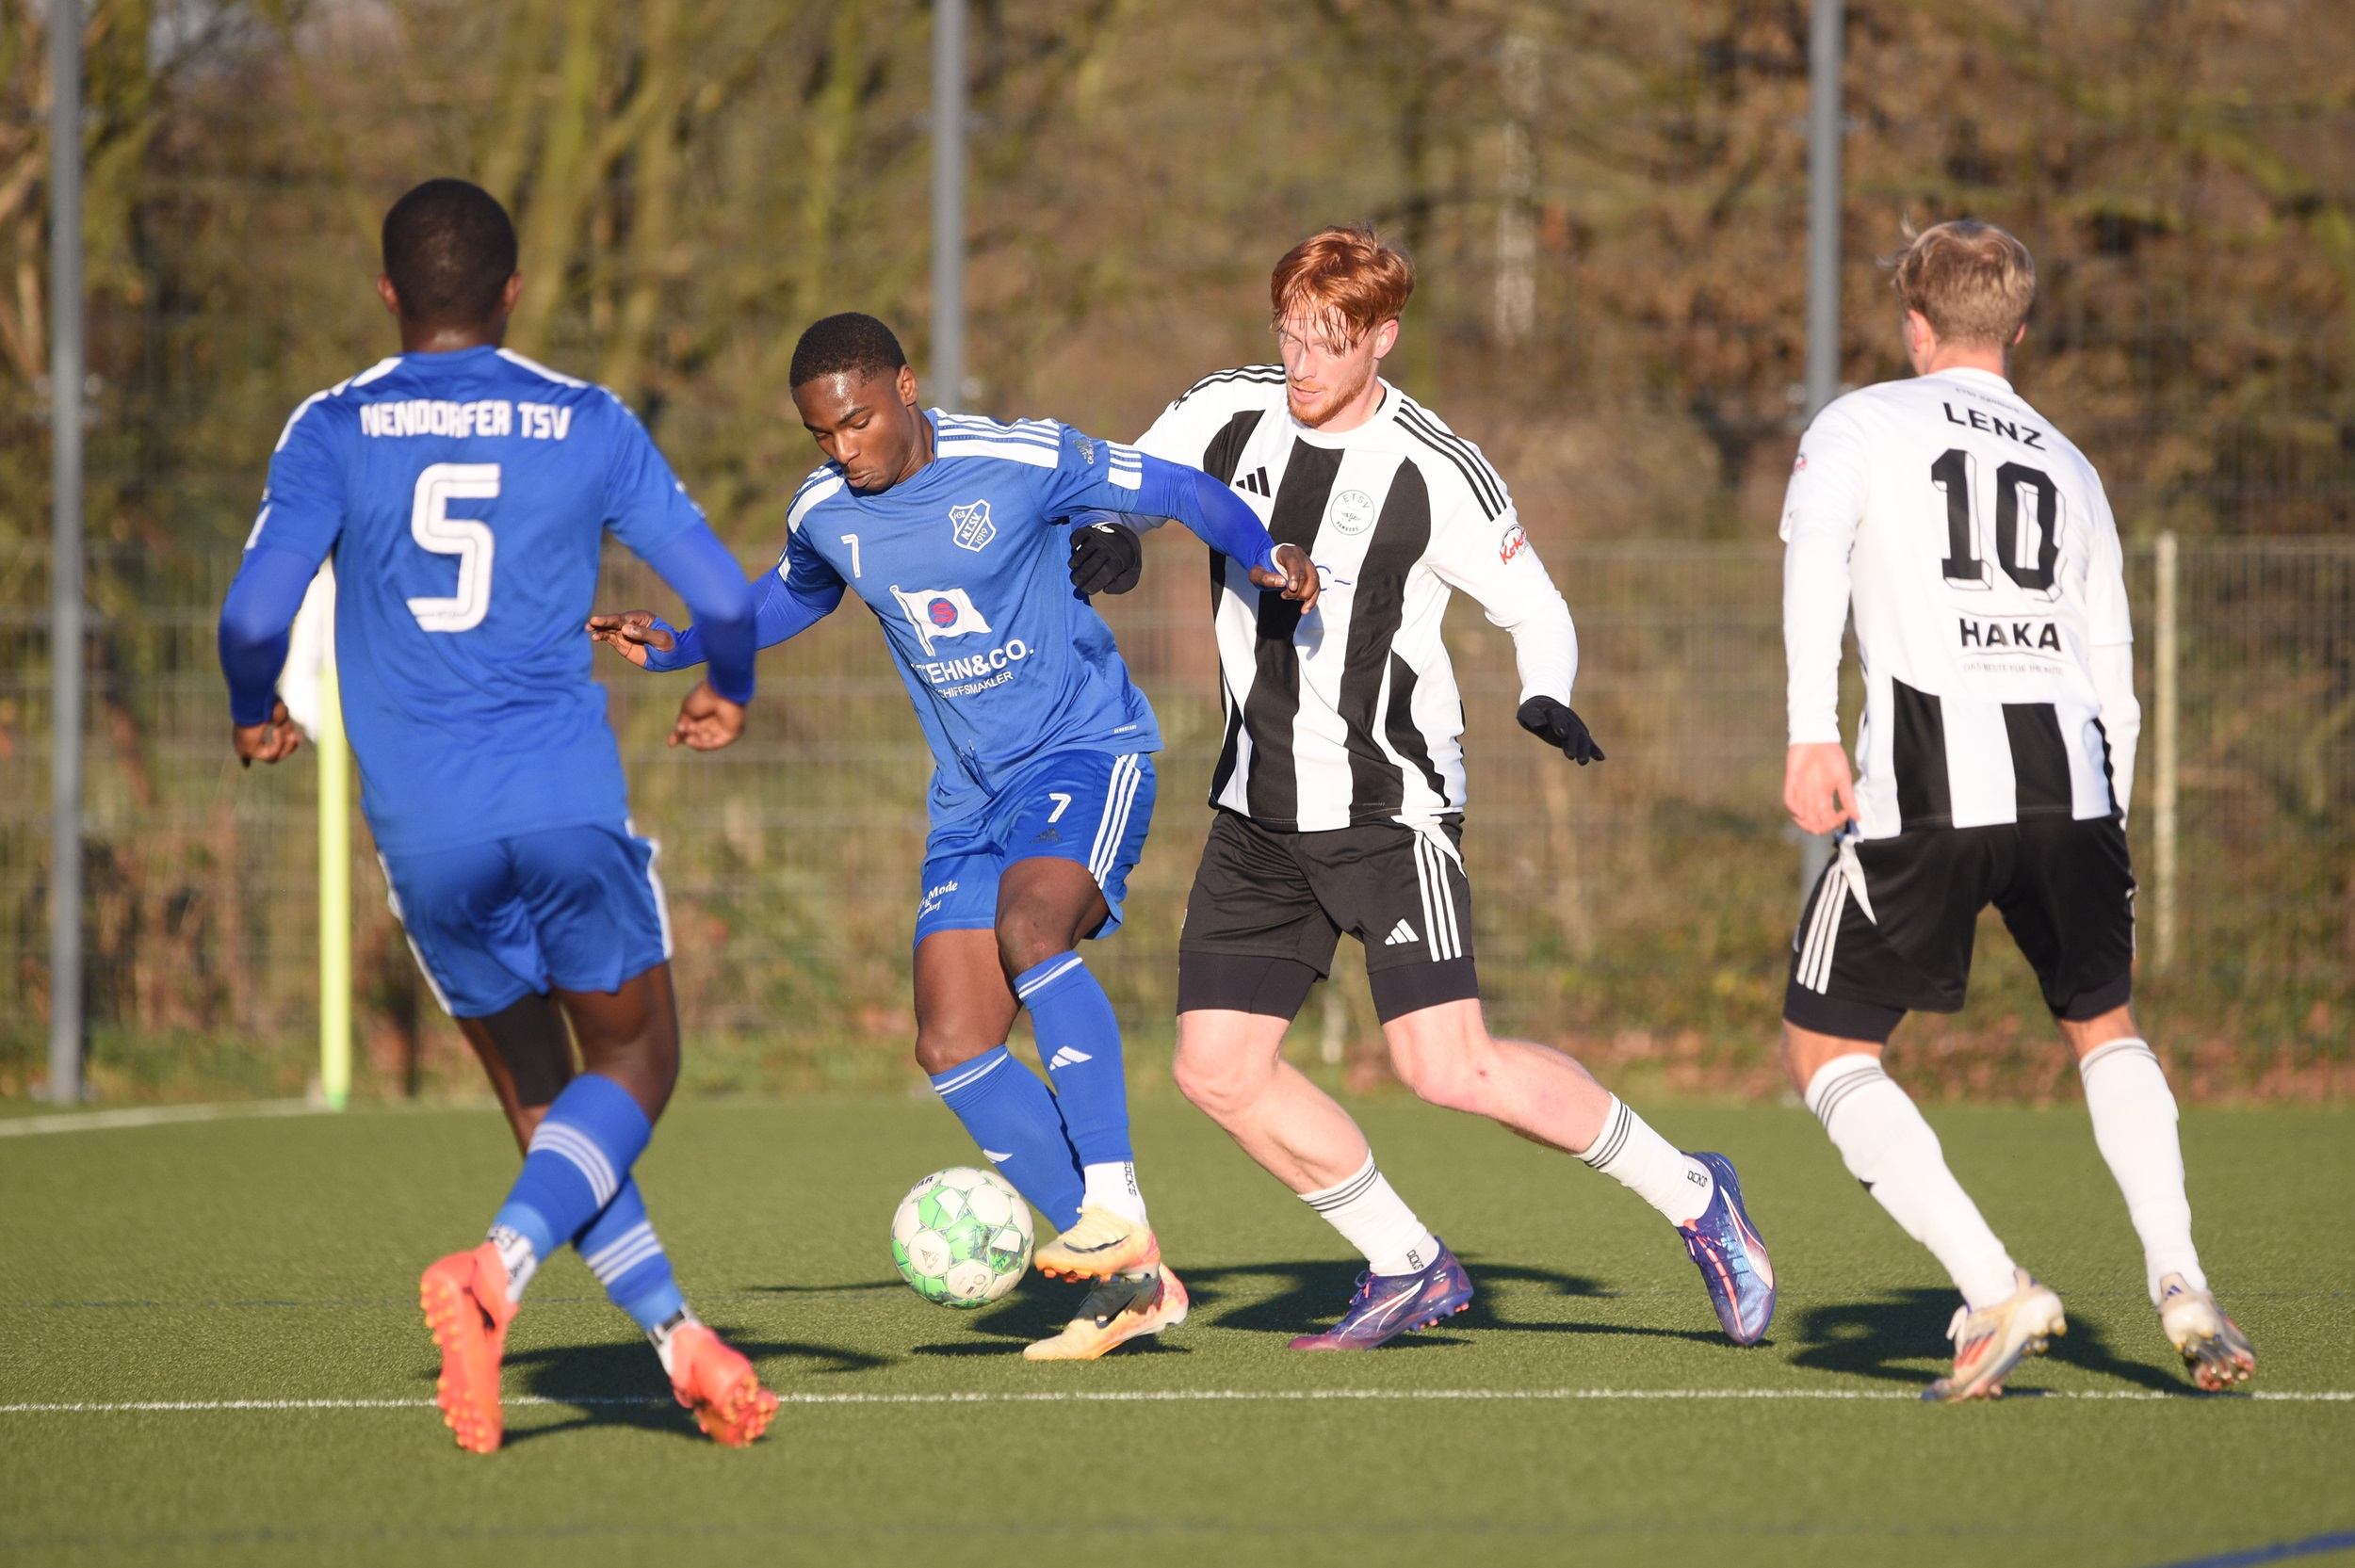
x: 1400, y: 935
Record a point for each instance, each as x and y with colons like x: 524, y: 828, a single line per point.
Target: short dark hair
x: 450, y: 249
x: 846, y: 344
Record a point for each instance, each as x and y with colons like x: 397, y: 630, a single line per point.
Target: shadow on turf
x: 566, y: 1372
x: 1879, y: 1338
x: 1308, y: 1295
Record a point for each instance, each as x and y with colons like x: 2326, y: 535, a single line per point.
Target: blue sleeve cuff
x: 699, y: 567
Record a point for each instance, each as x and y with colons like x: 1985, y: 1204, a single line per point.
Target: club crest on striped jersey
x: 1352, y: 513
x: 969, y: 525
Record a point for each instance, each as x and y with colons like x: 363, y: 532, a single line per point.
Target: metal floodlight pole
x: 1823, y: 125
x: 949, y: 202
x: 65, y: 567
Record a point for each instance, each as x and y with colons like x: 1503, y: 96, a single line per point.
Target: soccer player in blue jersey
x: 954, y: 531
x: 463, y: 493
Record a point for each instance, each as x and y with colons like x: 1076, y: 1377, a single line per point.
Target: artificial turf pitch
x: 276, y: 1260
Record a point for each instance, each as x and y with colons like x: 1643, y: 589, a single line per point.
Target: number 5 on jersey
x: 431, y: 525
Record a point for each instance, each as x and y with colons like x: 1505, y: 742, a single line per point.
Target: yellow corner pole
x: 334, y: 895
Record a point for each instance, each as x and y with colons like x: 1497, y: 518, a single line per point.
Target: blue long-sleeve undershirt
x: 780, y: 610
x: 256, y: 623
x: 258, y: 615
x: 1215, y: 514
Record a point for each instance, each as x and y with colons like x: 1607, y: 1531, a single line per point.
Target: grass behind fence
x: 1639, y: 912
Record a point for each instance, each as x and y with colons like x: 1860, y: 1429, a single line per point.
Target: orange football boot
x: 464, y: 1297
x: 720, y: 1386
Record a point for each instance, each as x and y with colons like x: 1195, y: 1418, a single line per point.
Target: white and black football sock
x: 1376, y: 1221
x: 2133, y: 1125
x: 1628, y: 1151
x: 1886, y: 1145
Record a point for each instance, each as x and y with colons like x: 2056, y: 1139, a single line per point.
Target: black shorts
x: 1267, y: 909
x: 2065, y: 888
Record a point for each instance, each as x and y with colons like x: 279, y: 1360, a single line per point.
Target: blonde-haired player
x: 1994, y: 763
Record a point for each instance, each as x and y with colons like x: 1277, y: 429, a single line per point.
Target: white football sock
x: 1655, y: 1169
x: 1376, y: 1221
x: 1881, y: 1135
x: 1113, y: 1185
x: 2133, y: 1125
x: 660, y: 1334
x: 515, y: 1251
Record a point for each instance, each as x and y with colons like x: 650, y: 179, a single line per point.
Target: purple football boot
x: 1386, y: 1306
x: 1733, y: 1261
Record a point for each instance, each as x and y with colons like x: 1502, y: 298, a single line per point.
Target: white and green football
x: 961, y: 1237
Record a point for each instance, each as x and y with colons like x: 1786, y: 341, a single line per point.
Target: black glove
x: 1106, y: 557
x: 1557, y: 725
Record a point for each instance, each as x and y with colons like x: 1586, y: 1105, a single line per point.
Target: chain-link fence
x: 1638, y: 909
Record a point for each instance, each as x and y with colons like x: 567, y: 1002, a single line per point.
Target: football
x: 961, y: 1237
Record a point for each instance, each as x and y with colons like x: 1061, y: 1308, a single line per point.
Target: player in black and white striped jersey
x: 1996, y: 758
x: 1340, y: 789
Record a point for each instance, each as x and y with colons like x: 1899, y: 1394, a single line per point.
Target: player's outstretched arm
x: 1222, y: 519
x: 255, y: 622
x: 784, y: 605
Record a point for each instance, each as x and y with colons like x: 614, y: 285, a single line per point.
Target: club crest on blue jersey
x: 940, y: 612
x: 970, y: 526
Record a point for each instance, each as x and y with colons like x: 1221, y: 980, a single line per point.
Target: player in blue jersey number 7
x: 953, y: 530
x: 464, y: 493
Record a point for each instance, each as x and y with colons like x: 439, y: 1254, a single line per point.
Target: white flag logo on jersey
x: 938, y: 612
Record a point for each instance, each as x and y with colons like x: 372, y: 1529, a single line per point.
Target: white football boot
x: 2212, y: 1343
x: 1988, y: 1344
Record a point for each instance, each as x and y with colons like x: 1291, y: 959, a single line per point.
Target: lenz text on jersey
x: 492, y: 416
x: 2027, y: 435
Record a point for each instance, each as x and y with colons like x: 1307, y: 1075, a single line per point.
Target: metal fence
x: 1640, y: 909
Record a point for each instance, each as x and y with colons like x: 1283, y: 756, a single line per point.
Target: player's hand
x: 630, y: 634
x: 1106, y: 557
x: 1817, y: 789
x: 272, y: 742
x: 707, y: 721
x: 1294, y: 573
x: 1557, y: 725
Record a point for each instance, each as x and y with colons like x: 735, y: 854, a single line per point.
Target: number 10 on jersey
x: 2027, y: 561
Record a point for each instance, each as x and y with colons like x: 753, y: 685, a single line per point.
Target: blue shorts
x: 1091, y: 807
x: 577, y: 908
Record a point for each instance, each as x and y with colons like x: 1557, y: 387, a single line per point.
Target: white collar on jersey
x: 1968, y: 373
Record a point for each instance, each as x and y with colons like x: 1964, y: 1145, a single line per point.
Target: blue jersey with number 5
x: 465, y: 497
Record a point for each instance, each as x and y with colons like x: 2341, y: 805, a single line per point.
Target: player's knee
x: 938, y: 1050
x: 1219, y: 1084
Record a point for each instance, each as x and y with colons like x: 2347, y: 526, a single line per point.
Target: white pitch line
x: 151, y: 1116
x: 1174, y: 1397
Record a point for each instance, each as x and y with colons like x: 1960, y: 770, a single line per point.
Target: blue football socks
x: 578, y: 1159
x: 1079, y: 1038
x: 1014, y: 1120
x: 621, y: 1250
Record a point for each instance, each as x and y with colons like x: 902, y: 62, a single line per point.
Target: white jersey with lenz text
x: 1990, y: 607
x: 1350, y: 715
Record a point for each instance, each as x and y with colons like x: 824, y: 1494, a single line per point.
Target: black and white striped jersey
x: 1990, y: 597
x: 1350, y: 714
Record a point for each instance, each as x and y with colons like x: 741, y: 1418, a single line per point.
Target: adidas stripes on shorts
x: 2065, y: 888
x: 1268, y: 910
